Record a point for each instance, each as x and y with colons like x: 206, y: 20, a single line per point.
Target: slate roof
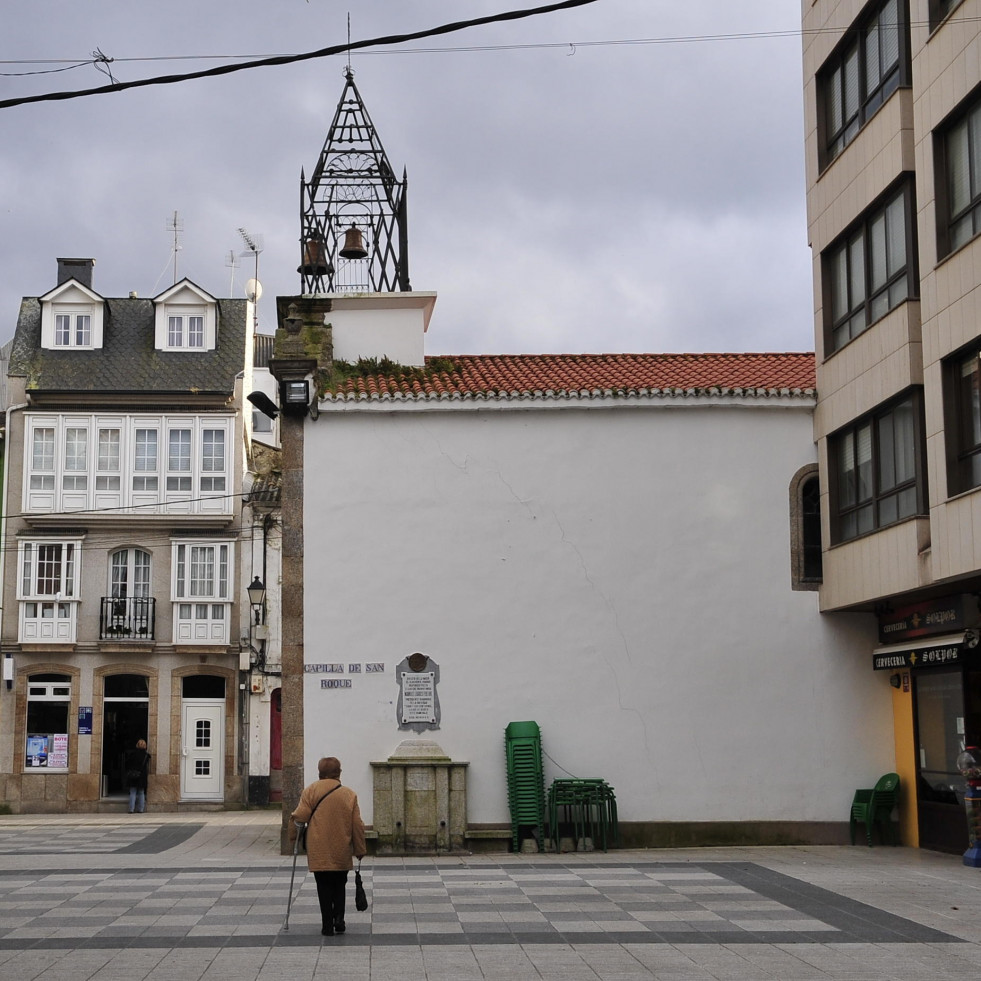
x: 127, y: 361
x: 582, y: 375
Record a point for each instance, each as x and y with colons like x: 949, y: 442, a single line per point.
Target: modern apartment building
x: 893, y: 156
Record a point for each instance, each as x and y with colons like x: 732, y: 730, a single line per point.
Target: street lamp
x: 257, y: 596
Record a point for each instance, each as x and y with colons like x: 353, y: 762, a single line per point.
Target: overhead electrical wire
x: 334, y: 49
x: 72, y: 63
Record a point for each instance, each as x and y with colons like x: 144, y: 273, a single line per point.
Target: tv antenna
x: 254, y: 246
x: 252, y: 288
x: 175, y: 225
x: 231, y: 261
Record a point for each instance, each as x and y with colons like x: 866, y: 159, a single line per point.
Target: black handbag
x: 360, y: 897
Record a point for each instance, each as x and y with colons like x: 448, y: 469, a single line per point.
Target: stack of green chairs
x: 875, y: 807
x: 526, y: 781
x: 587, y: 808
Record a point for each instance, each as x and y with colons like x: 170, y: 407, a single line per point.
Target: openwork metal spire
x: 352, y: 210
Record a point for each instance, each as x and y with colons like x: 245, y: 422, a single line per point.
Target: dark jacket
x: 136, y: 759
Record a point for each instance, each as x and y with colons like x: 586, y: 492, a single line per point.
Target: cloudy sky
x: 622, y: 176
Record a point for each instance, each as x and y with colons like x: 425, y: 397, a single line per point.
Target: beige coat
x: 336, y: 831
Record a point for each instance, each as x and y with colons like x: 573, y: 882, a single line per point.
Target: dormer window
x: 185, y: 330
x: 73, y: 330
x: 71, y: 318
x: 185, y: 319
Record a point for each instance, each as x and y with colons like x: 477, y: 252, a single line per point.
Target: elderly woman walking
x: 335, y: 835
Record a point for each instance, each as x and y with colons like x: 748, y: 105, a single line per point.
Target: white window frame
x: 108, y: 464
x: 73, y: 328
x: 94, y: 462
x: 130, y: 573
x: 58, y: 692
x: 48, y: 604
x: 186, y: 329
x: 201, y: 591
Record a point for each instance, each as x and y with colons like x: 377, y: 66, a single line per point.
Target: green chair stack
x: 874, y: 807
x: 588, y: 808
x: 526, y: 781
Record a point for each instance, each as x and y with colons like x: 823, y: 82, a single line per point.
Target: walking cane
x: 300, y: 827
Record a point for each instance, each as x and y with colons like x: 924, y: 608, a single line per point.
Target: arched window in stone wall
x: 805, y: 529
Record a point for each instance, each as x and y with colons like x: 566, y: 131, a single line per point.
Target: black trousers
x: 331, y: 887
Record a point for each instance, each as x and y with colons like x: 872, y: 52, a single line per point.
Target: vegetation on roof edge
x: 342, y: 372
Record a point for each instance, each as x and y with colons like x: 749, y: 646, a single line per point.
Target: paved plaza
x: 182, y: 897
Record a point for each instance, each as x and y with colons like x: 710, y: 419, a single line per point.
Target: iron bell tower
x: 353, y: 236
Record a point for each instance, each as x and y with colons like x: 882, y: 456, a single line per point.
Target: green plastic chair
x: 875, y: 807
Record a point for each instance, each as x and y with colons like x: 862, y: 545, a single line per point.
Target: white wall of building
x: 619, y: 575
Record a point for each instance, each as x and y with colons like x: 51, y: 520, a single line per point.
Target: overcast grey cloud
x: 580, y: 198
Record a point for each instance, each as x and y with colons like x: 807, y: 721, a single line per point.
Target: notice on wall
x: 418, y: 697
x: 58, y: 757
x: 48, y: 749
x: 85, y: 720
x: 418, y: 704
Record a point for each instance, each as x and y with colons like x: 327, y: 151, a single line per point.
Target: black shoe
x: 339, y: 926
x: 328, y: 931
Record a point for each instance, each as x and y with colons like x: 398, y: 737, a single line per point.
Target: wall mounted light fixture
x: 257, y: 597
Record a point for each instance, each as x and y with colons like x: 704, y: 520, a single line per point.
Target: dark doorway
x: 125, y: 719
x: 276, y: 746
x: 948, y: 718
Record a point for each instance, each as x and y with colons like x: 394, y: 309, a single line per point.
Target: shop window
x: 48, y: 702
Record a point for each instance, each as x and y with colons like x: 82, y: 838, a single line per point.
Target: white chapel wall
x: 619, y: 576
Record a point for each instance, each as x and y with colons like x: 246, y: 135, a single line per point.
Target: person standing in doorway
x: 137, y: 765
x: 335, y: 833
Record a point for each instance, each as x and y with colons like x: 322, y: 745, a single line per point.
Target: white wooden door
x: 202, y: 750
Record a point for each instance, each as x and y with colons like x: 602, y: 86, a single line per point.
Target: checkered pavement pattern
x: 443, y: 903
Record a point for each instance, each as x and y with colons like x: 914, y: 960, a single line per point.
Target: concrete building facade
x: 893, y: 154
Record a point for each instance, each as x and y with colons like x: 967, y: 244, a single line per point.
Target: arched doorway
x: 125, y: 719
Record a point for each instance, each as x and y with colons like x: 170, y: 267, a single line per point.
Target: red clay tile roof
x: 562, y: 375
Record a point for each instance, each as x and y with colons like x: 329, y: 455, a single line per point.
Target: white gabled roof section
x: 184, y: 299
x: 72, y: 299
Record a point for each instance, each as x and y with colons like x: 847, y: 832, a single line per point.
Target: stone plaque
x: 418, y: 704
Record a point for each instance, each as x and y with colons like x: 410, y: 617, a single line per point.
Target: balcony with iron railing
x: 127, y: 618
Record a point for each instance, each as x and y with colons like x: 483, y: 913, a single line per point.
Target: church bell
x: 314, y: 258
x: 353, y: 244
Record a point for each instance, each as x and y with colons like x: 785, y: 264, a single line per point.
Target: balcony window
x: 869, y: 270
x: 96, y: 462
x: 864, y: 71
x: 201, y: 592
x: 877, y: 464
x: 959, y: 180
x: 48, y: 609
x: 962, y: 419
